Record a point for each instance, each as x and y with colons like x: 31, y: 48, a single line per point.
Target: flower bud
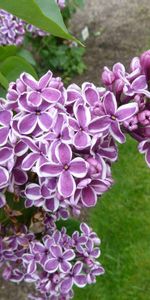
x: 144, y: 117
x: 95, y: 167
x: 145, y: 63
x: 108, y: 76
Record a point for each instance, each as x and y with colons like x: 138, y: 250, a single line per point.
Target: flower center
x: 66, y: 167
x: 38, y: 112
x: 113, y: 117
x: 60, y: 259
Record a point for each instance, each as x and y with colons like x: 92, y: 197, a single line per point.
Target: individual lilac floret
x: 81, y: 138
x: 113, y: 117
x: 66, y: 169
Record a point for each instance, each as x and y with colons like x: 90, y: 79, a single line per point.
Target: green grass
x: 122, y: 220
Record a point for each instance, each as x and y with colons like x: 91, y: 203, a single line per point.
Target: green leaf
x: 27, y: 56
x: 3, y: 81
x: 13, y: 66
x: 44, y: 14
x: 6, y: 51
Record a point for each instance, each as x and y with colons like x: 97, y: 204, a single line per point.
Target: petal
x: 99, y: 124
x: 83, y: 115
x: 51, y: 204
x: 80, y: 280
x: 126, y: 111
x: 77, y: 268
x: 68, y: 254
x: 110, y: 103
x: 65, y: 134
x: 66, y: 285
x: 49, y: 169
x: 45, y: 121
x: 73, y: 124
x: 73, y: 96
x: 95, y: 252
x: 51, y: 265
x: 31, y: 267
x: 45, y: 79
x: 27, y: 123
x: 30, y: 143
x: 38, y: 248
x: 29, y: 161
x: 85, y: 229
x: 118, y: 70
x: 34, y: 98
x: 66, y: 184
x: 89, y: 197
x: 59, y: 123
x: 63, y: 154
x: 143, y: 146
x: 78, y: 167
x: 27, y: 258
x: 109, y: 153
x: 23, y: 104
x: 29, y: 81
x: 139, y: 83
x: 56, y: 251
x: 65, y: 266
x: 20, y: 148
x: 92, y: 96
x: 33, y: 191
x: 4, y: 131
x: 116, y: 132
x: 5, y: 117
x: 81, y: 140
x: 98, y: 271
x: 51, y: 95
x: 20, y: 177
x: 5, y: 154
x: 4, y: 176
x: 2, y: 200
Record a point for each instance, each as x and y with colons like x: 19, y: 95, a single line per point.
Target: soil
x: 118, y: 31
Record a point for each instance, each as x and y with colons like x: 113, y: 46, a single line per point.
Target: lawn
x: 122, y: 220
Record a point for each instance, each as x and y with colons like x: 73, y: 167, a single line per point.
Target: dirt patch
x: 119, y: 30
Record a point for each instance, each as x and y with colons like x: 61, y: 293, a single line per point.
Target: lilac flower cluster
x: 133, y: 86
x: 55, y: 264
x: 64, y: 137
x: 57, y: 146
x: 13, y: 29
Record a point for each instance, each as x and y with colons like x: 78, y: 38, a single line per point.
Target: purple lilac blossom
x: 13, y: 29
x: 54, y: 264
x: 133, y: 87
x: 57, y: 146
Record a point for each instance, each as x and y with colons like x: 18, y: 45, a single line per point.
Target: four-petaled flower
x: 66, y: 169
x: 59, y: 260
x: 113, y: 116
